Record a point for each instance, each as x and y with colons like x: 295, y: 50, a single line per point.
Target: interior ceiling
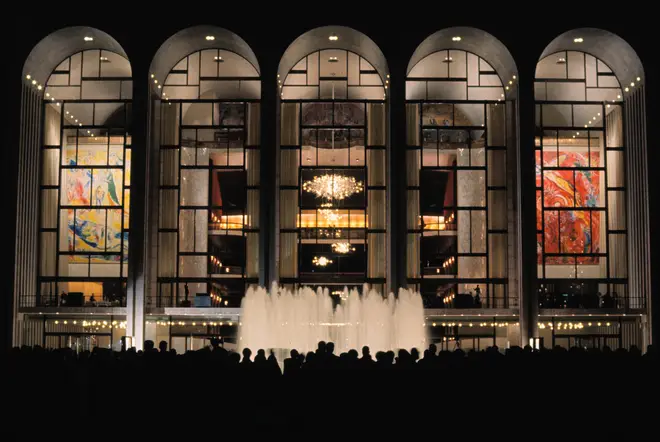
x: 193, y: 39
x: 472, y: 40
x: 54, y: 48
x: 348, y: 39
x: 609, y: 47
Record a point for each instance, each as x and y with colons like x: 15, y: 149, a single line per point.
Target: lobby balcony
x: 590, y: 303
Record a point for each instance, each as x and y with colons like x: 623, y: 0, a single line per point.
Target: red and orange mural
x: 572, y: 231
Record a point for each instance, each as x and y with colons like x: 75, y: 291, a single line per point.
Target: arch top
x: 57, y: 46
x: 194, y: 39
x: 333, y: 37
x: 468, y: 39
x: 604, y: 45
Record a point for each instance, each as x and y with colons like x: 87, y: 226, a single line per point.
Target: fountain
x: 283, y: 320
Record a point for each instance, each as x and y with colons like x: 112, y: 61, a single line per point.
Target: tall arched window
x: 592, y: 227
x: 580, y: 178
x: 332, y: 161
x: 85, y: 180
x: 459, y: 209
x: 208, y: 184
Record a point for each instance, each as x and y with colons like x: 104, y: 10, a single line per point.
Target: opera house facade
x: 153, y: 192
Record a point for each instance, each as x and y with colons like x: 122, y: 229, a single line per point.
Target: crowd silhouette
x: 250, y: 388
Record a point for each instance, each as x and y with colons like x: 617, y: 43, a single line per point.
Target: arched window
x: 332, y: 153
x: 208, y: 185
x: 460, y: 167
x: 84, y: 171
x: 591, y: 182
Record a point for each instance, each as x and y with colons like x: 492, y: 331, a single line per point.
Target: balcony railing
x: 590, y: 301
x: 71, y: 300
x: 467, y: 301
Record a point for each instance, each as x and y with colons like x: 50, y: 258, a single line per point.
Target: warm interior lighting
x: 228, y: 222
x: 311, y: 220
x: 333, y: 37
x: 578, y: 40
x: 88, y: 38
x: 333, y: 186
x: 333, y: 60
x: 218, y: 59
x: 342, y: 247
x: 457, y: 38
x: 321, y: 261
x: 210, y: 38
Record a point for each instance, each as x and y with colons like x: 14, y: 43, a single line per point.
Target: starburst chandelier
x: 333, y: 186
x: 331, y: 215
x: 342, y: 247
x: 321, y: 261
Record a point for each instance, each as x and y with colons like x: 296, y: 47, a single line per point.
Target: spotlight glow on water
x: 284, y: 320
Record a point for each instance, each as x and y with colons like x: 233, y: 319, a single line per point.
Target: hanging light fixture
x: 321, y: 261
x: 330, y: 215
x: 333, y: 186
x: 342, y: 247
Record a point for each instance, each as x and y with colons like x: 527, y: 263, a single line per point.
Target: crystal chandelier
x: 321, y: 261
x: 333, y: 186
x: 331, y: 216
x: 342, y: 247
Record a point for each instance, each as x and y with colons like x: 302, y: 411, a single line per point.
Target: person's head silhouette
x: 330, y: 347
x: 148, y: 345
x: 366, y: 352
x: 246, y: 354
x: 162, y: 346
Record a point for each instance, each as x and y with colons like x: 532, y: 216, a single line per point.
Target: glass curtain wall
x: 332, y: 188
x: 85, y: 182
x: 580, y: 184
x: 208, y: 222
x: 456, y: 180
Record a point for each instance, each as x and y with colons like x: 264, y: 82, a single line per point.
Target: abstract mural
x: 572, y: 231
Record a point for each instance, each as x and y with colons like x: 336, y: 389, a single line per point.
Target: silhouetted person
x: 414, y: 354
x: 332, y: 361
x: 310, y: 361
x: 260, y: 362
x: 366, y: 361
x: 292, y: 364
x: 246, y: 362
x: 162, y: 346
x: 320, y: 354
x: 352, y: 359
x: 63, y: 298
x: 148, y: 346
x: 273, y: 366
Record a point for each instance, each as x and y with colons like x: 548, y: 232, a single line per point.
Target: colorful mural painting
x: 572, y: 231
x: 97, y: 231
x: 77, y: 187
